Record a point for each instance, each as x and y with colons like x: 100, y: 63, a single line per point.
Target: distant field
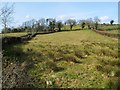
x: 13, y: 34
x: 67, y: 27
x: 108, y: 26
x: 75, y: 59
x: 114, y: 31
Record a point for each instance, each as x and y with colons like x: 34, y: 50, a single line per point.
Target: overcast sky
x: 65, y: 10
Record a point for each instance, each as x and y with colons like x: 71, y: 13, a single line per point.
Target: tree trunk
x: 71, y: 27
x: 59, y: 29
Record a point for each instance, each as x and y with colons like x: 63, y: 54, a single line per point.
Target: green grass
x: 67, y: 27
x: 75, y: 59
x: 19, y: 34
x: 103, y: 27
x: 108, y: 26
x: 114, y: 31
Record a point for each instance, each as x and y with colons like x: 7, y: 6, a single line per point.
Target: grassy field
x: 103, y: 27
x: 74, y: 59
x: 108, y: 27
x: 67, y: 27
x: 114, y: 31
x: 19, y: 34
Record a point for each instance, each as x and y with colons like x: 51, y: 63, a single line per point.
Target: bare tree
x: 27, y: 26
x: 89, y: 23
x: 6, y: 15
x: 41, y: 24
x: 59, y: 25
x: 51, y: 23
x: 71, y: 22
x: 96, y: 20
x: 82, y: 23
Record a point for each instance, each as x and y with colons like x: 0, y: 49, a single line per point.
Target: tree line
x: 43, y: 25
x: 50, y: 24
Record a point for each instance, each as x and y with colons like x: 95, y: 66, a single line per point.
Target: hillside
x: 74, y: 59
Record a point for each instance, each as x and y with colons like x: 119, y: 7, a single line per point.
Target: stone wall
x: 107, y: 34
x: 12, y: 40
